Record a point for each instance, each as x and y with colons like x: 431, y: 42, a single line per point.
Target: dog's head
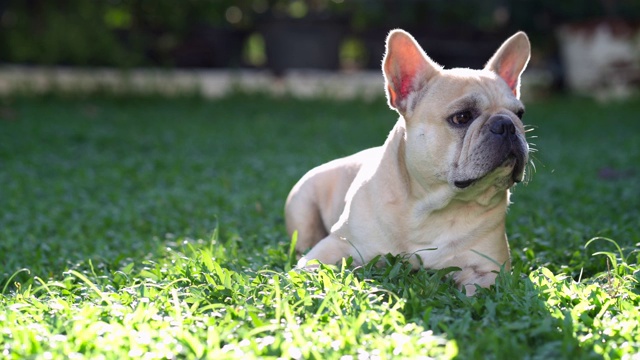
x: 463, y: 126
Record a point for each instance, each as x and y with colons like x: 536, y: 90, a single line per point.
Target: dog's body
x: 438, y: 189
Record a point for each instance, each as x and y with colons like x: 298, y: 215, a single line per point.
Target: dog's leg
x: 328, y: 251
x: 484, y: 280
x: 483, y: 275
x: 303, y: 215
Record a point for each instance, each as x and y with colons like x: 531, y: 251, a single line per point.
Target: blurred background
x: 584, y: 46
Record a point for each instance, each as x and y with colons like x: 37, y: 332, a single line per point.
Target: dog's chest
x: 439, y: 235
x: 435, y: 238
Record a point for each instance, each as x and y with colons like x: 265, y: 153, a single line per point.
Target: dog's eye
x: 520, y: 113
x: 461, y: 118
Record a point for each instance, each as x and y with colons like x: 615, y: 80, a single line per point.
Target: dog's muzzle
x: 504, y: 127
x: 508, y: 147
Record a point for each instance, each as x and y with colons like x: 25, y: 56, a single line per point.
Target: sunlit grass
x: 152, y: 228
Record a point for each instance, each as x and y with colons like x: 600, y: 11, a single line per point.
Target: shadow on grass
x: 509, y: 320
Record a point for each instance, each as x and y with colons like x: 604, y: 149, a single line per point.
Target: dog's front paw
x: 306, y: 263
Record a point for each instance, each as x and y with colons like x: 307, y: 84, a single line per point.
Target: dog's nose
x: 503, y: 126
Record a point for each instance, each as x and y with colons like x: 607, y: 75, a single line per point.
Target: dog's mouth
x: 464, y: 183
x: 512, y: 160
x: 517, y: 175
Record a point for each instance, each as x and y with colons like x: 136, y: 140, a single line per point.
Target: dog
x: 437, y: 190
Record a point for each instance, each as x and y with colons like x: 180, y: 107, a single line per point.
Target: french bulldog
x: 437, y: 190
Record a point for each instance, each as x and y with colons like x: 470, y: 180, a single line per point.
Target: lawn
x: 153, y: 228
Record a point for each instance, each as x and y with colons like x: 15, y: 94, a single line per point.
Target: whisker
x: 530, y: 169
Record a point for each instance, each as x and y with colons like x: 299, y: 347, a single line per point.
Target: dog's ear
x: 510, y: 60
x: 406, y: 69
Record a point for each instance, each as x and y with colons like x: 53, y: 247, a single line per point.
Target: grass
x: 153, y: 228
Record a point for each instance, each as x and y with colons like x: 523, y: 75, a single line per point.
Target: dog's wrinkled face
x: 463, y: 126
x: 480, y: 118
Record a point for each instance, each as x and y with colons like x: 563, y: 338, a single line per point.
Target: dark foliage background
x: 227, y: 33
